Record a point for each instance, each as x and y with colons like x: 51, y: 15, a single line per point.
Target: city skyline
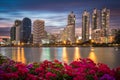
x: 53, y: 13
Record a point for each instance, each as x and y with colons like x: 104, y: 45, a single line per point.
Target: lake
x: 107, y: 55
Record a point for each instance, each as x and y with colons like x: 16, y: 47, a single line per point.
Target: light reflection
x: 77, y: 53
x: 64, y: 55
x: 59, y: 55
x: 23, y: 55
x: 45, y: 55
x: 19, y: 55
x: 14, y: 54
x: 92, y: 55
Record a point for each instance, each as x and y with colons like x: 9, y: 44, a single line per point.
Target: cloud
x: 5, y: 19
x: 5, y: 31
x: 54, y: 12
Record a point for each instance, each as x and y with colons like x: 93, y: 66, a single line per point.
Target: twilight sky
x: 54, y: 12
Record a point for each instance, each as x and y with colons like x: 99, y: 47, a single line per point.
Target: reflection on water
x: 59, y: 52
x: 76, y: 53
x: 19, y: 55
x: 107, y: 55
x: 45, y: 54
x: 92, y: 55
x: 64, y: 55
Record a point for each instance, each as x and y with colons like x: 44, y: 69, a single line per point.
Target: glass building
x: 25, y: 30
x: 13, y: 33
x: 85, y: 26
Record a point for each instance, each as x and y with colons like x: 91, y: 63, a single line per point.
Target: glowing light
x: 92, y: 55
x: 23, y: 60
x: 77, y: 41
x: 64, y: 55
x: 77, y: 53
x: 64, y: 42
x: 22, y: 43
x: 92, y: 41
x: 19, y: 55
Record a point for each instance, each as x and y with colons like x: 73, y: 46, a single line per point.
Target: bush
x: 82, y: 69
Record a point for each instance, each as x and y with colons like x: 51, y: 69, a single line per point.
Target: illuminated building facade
x: 95, y: 32
x: 100, y: 26
x: 68, y: 34
x: 71, y: 19
x: 85, y: 26
x: 95, y: 19
x: 17, y: 26
x: 71, y: 33
x: 105, y: 18
x: 38, y: 31
x: 64, y: 34
x: 71, y: 27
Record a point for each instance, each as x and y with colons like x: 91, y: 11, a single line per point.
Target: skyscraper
x: 13, y: 33
x: 17, y: 26
x: 95, y: 24
x: 105, y: 18
x: 38, y: 31
x: 95, y: 19
x: 85, y: 26
x: 71, y: 19
x: 71, y: 27
x: 25, y: 30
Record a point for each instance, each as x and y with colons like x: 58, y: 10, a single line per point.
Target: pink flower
x: 31, y: 77
x: 50, y: 75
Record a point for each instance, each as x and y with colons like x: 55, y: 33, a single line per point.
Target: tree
x: 117, y: 37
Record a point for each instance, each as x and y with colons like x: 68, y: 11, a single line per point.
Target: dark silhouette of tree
x: 117, y: 37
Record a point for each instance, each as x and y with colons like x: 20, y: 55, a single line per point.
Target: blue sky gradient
x: 54, y: 12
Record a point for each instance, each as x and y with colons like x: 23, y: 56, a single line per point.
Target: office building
x: 38, y: 31
x: 85, y: 26
x: 71, y: 27
x: 13, y: 34
x: 105, y: 19
x: 17, y: 25
x: 25, y: 30
x: 95, y: 19
x: 71, y: 19
x: 95, y: 27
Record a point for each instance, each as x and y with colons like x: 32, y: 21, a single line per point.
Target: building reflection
x: 76, y: 53
x: 59, y: 55
x: 92, y: 55
x: 64, y: 55
x: 45, y: 55
x: 19, y: 55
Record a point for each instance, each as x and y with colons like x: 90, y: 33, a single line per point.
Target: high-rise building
x: 71, y: 33
x: 95, y: 19
x: 71, y: 27
x: 13, y: 33
x: 105, y: 18
x: 17, y: 25
x: 95, y: 24
x: 71, y: 19
x: 38, y: 31
x: 25, y: 30
x: 85, y: 26
x: 64, y: 34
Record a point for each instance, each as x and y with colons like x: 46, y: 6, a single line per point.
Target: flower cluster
x: 82, y: 69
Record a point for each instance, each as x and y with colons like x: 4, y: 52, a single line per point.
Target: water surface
x: 107, y: 55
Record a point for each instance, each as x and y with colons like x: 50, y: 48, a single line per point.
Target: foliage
x: 82, y: 69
